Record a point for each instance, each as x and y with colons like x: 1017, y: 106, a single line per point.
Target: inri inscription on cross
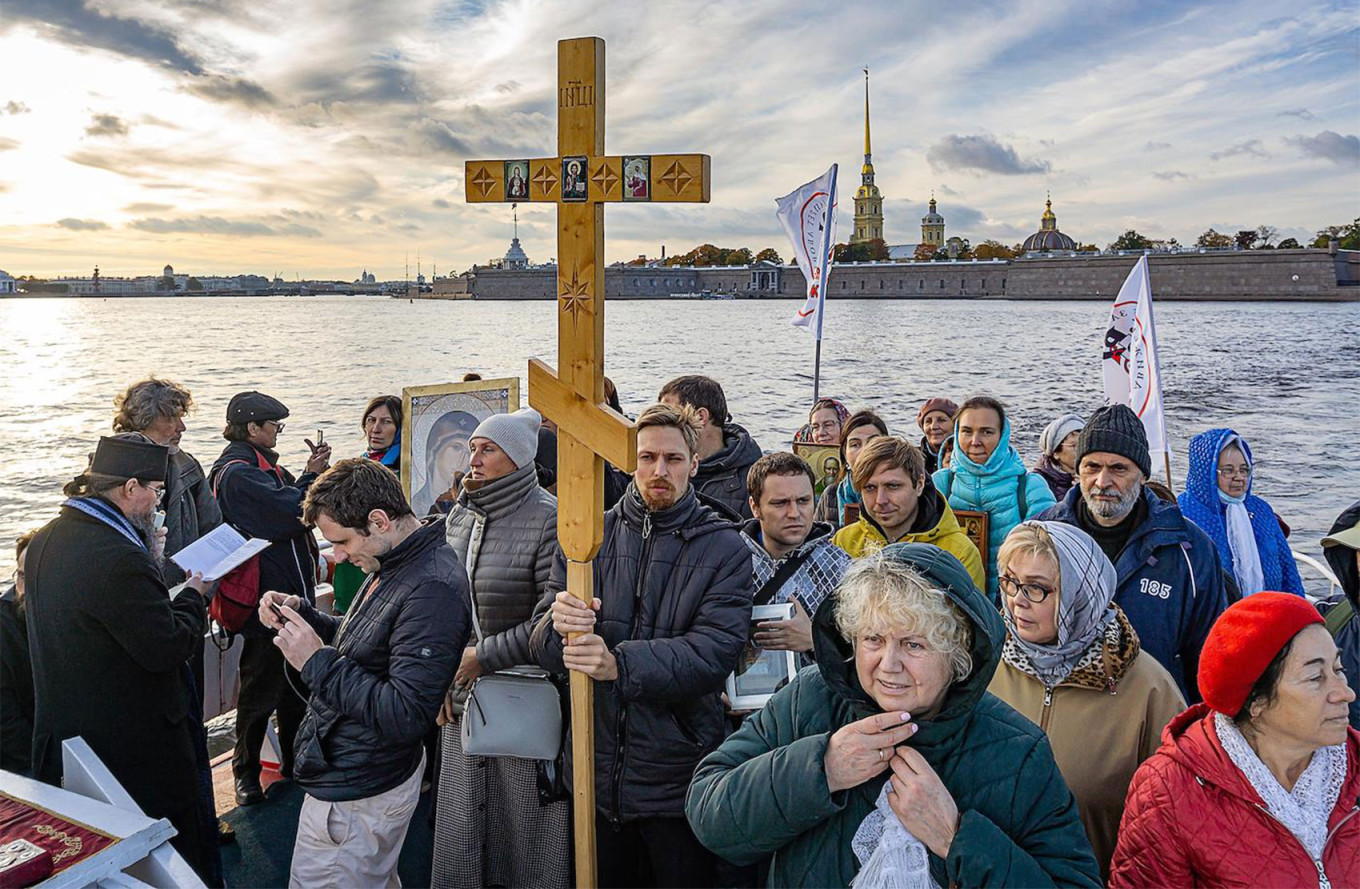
x: 581, y: 179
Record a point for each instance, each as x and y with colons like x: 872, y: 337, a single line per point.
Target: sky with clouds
x: 322, y: 137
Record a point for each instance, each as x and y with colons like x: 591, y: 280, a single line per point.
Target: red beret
x: 1242, y: 643
x: 936, y: 404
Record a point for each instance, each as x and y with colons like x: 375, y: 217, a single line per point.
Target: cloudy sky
x: 320, y: 137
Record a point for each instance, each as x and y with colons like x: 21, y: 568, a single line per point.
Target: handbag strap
x: 781, y: 576
x: 470, y: 563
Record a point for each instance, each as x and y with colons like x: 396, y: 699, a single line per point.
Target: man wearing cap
x: 259, y: 498
x: 1170, y: 584
x: 936, y: 419
x: 110, y: 647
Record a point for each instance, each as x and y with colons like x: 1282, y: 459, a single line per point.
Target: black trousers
x: 264, y: 690
x: 660, y: 852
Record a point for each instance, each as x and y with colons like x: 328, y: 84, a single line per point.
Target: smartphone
x: 320, y: 437
x: 278, y: 612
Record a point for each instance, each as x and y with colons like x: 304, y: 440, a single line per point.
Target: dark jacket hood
x: 1342, y: 558
x: 835, y: 654
x: 738, y: 449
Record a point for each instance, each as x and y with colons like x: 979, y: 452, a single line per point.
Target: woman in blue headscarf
x: 1218, y: 498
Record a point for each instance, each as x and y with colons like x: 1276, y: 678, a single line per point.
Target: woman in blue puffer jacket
x: 1218, y: 498
x: 987, y: 475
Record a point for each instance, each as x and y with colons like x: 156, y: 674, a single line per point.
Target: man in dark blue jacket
x: 377, y: 676
x: 673, y: 585
x: 1170, y: 583
x: 259, y: 498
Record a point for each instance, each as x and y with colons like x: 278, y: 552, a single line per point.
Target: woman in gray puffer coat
x: 492, y: 829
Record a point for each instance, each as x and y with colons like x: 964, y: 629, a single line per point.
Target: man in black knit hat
x: 1170, y: 583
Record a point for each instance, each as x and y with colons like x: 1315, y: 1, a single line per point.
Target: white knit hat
x: 516, y: 434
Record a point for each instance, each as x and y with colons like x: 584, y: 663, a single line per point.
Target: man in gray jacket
x: 503, y: 527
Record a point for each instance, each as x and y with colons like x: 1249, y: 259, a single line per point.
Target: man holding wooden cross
x: 580, y: 180
x: 673, y: 589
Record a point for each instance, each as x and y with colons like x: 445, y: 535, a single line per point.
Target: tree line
x: 1263, y: 237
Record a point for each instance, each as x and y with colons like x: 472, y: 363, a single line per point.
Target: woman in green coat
x: 889, y: 759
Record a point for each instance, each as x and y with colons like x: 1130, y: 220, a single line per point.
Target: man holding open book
x: 110, y: 647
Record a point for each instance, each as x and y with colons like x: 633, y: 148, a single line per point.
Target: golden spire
x: 867, y: 153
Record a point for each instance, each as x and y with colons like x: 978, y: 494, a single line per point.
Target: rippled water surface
x: 1285, y: 375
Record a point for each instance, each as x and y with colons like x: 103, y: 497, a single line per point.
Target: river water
x: 1285, y: 375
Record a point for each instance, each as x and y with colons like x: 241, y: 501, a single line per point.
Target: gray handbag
x: 515, y: 712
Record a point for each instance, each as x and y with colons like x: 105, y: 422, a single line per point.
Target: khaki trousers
x: 355, y: 843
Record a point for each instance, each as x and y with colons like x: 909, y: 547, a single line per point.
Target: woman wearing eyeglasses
x: 1218, y: 498
x: 1071, y: 664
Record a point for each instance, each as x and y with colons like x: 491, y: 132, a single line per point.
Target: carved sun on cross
x: 575, y: 296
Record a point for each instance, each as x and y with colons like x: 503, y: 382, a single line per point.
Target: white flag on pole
x: 1129, y: 356
x: 808, y: 215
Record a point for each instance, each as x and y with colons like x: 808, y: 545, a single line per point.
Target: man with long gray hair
x: 156, y: 408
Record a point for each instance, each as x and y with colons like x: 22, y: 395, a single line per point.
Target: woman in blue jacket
x: 987, y: 475
x: 1218, y: 498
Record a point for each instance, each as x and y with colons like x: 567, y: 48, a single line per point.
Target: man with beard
x: 1170, y: 584
x: 673, y: 599
x: 259, y: 498
x: 726, y: 450
x: 109, y: 646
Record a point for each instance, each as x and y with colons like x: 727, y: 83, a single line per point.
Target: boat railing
x: 1306, y: 561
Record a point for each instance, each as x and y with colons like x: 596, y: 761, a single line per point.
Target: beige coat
x: 1102, y: 722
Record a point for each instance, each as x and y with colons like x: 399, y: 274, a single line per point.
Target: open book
x: 217, y: 552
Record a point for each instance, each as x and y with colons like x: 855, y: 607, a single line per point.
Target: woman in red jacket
x: 1260, y: 785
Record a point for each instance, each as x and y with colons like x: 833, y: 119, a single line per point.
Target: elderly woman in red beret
x: 1260, y: 784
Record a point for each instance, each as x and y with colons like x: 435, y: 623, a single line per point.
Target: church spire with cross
x: 868, y: 201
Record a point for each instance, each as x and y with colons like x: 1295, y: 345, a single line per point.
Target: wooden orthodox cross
x: 581, y: 180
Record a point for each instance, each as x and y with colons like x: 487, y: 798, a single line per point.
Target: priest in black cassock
x: 110, y: 647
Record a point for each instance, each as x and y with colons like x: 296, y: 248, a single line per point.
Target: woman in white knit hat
x: 492, y: 826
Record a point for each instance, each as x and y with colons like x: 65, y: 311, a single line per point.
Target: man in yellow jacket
x: 900, y: 505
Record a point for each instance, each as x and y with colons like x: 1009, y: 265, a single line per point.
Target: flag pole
x: 1166, y: 456
x: 821, y: 294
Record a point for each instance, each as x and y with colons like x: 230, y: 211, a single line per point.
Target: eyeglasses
x: 1234, y: 471
x: 160, y: 492
x: 278, y: 427
x: 1031, y: 591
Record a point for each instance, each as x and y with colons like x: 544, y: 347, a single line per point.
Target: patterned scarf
x: 1088, y: 583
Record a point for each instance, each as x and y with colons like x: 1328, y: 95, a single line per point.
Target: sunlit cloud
x: 225, y: 135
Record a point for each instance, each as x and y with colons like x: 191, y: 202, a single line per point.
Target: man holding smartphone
x: 377, y: 676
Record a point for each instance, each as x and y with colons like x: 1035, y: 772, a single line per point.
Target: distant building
x: 7, y: 283
x: 868, y: 200
x: 1048, y: 239
x: 932, y: 227
x: 515, y: 257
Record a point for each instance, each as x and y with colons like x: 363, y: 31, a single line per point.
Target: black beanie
x: 1115, y: 429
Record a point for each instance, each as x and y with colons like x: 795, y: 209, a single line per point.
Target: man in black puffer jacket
x: 673, y: 581
x: 377, y: 676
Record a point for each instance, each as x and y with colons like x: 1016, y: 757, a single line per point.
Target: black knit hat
x: 123, y: 456
x: 1116, y: 429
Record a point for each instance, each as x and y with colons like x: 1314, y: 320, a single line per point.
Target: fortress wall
x: 1303, y: 274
